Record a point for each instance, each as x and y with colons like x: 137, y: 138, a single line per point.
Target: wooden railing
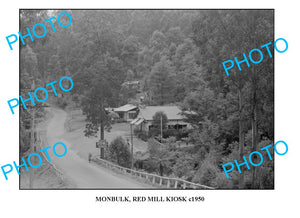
x: 162, y: 181
x: 43, y: 141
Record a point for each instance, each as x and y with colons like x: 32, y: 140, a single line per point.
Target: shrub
x: 150, y: 165
x: 183, y: 168
x: 120, y: 120
x: 266, y: 178
x: 153, y: 132
x: 206, y: 175
x: 171, y: 142
x: 178, y: 133
x: 24, y: 141
x: 119, y: 152
x: 170, y: 132
x: 222, y: 182
x: 141, y: 134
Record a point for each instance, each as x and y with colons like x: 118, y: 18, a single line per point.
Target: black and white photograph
x: 146, y: 99
x: 149, y: 109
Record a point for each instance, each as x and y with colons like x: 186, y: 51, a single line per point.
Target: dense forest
x: 177, y: 55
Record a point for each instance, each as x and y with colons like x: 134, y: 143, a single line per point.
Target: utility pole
x: 161, y: 131
x: 101, y: 140
x: 101, y: 121
x: 32, y: 141
x: 131, y: 136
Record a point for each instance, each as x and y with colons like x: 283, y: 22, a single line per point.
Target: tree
x: 130, y: 52
x: 222, y: 35
x: 54, y: 68
x: 175, y: 35
x: 93, y: 106
x: 161, y: 82
x: 119, y: 152
x: 29, y: 67
x: 158, y: 41
x: 177, y: 55
x: 28, y: 74
x: 160, y: 120
x: 129, y: 75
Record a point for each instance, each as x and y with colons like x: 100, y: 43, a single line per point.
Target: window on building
x: 131, y: 115
x: 121, y: 115
x: 180, y: 126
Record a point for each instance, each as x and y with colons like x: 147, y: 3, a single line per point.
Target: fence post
x: 176, y: 183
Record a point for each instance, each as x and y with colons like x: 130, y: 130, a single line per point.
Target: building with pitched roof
x: 144, y: 120
x: 127, y: 112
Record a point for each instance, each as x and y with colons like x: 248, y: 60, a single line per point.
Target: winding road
x: 81, y: 173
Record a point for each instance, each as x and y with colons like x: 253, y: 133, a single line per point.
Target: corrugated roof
x: 134, y: 121
x: 137, y: 121
x: 125, y: 108
x: 172, y: 112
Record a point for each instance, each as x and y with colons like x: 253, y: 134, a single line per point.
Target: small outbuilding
x: 127, y: 112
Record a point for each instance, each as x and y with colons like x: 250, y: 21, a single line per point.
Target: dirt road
x: 78, y: 170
